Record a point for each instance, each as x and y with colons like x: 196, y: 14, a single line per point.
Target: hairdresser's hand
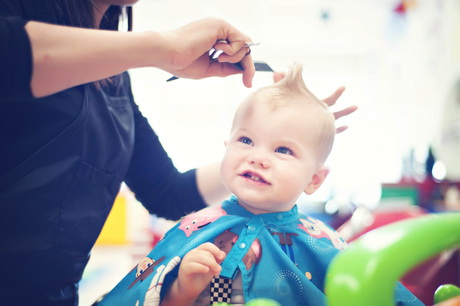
x: 189, y: 46
x: 64, y: 57
x: 196, y: 271
x: 331, y: 100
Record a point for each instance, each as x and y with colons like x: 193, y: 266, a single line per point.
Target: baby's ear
x: 317, y: 179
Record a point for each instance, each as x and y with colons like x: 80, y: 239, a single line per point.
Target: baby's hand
x: 198, y: 267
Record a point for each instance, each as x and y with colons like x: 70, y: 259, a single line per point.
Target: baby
x: 256, y: 244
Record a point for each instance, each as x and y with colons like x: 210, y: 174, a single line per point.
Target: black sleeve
x: 15, y: 60
x: 16, y: 64
x: 152, y: 176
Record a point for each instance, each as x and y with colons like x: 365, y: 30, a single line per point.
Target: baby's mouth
x: 254, y: 177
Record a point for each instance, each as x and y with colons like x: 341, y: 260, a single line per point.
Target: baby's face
x: 271, y: 155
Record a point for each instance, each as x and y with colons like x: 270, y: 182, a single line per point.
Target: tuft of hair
x: 293, y: 86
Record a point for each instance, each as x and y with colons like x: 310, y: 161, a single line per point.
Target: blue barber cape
x: 281, y: 256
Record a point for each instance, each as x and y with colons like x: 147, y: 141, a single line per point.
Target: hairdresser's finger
x: 345, y: 112
x: 235, y: 57
x: 278, y: 76
x: 332, y: 99
x: 232, y: 47
x: 248, y: 70
x: 341, y: 129
x: 236, y: 50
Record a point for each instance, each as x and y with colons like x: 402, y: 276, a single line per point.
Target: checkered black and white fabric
x: 221, y: 290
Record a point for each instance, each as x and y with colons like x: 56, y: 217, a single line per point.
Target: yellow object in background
x: 114, y: 231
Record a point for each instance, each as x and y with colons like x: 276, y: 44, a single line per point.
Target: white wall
x: 397, y: 69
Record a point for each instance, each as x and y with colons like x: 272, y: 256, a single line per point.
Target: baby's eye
x: 245, y: 140
x: 284, y: 150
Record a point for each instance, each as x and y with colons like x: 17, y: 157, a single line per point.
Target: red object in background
x: 156, y: 237
x: 403, y: 6
x: 400, y: 8
x: 424, y: 279
x: 384, y: 217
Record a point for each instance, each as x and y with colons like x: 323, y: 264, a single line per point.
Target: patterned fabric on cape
x: 281, y: 256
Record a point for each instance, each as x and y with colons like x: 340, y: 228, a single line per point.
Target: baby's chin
x: 256, y: 208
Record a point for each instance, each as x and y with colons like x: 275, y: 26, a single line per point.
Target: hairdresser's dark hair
x: 80, y: 13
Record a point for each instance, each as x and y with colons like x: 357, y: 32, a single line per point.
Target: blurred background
x: 399, y: 61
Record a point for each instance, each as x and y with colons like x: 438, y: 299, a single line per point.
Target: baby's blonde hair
x: 293, y: 86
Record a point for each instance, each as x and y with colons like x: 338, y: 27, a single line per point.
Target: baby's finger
x: 202, y: 258
x: 218, y: 254
x: 197, y: 268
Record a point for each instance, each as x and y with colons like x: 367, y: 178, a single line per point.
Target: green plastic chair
x: 366, y: 273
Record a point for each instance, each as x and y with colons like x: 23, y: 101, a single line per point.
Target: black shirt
x: 62, y: 160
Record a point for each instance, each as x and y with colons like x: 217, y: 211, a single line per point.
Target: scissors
x: 214, y: 54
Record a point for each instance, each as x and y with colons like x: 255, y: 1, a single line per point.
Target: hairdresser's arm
x: 64, y: 57
x: 210, y: 184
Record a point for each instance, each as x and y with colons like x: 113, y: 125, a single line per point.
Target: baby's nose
x: 259, y: 159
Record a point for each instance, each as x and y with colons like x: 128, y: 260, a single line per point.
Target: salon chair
x: 366, y: 273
